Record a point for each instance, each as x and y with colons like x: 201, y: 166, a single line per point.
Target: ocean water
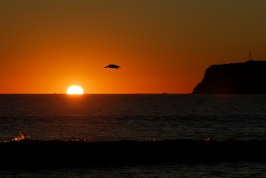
x: 135, y: 117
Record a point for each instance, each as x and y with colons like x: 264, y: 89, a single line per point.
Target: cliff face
x: 234, y: 78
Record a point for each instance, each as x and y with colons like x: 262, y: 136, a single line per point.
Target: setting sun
x: 74, y: 90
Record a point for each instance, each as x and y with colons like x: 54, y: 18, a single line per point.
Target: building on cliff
x: 234, y: 78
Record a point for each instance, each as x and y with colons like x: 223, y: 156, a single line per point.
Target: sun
x: 74, y: 89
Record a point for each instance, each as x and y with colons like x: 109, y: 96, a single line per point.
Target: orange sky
x: 161, y: 45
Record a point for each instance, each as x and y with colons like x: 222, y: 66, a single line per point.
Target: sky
x: 161, y: 45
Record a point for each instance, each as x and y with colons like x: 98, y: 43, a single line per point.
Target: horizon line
x: 83, y: 93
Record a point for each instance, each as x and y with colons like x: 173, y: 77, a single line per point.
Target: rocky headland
x: 234, y: 78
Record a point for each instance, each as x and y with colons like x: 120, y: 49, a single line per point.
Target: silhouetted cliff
x: 234, y: 78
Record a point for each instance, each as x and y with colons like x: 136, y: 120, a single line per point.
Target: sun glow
x: 75, y: 90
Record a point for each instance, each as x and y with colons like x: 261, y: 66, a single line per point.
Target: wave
x: 29, y: 153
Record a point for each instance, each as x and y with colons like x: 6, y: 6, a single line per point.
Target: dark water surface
x: 133, y: 117
x: 136, y: 117
x: 241, y: 169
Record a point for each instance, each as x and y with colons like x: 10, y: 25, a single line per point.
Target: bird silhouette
x: 114, y: 66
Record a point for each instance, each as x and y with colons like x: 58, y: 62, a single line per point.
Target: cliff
x: 234, y: 78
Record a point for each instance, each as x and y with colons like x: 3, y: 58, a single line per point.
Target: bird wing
x: 112, y: 66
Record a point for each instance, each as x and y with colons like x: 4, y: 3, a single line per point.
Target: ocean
x: 132, y: 135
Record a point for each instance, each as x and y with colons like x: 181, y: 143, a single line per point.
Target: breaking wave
x: 24, y: 151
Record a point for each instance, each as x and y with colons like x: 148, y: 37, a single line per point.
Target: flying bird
x: 114, y: 66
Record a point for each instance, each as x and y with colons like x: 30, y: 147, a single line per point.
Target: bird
x: 114, y: 66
